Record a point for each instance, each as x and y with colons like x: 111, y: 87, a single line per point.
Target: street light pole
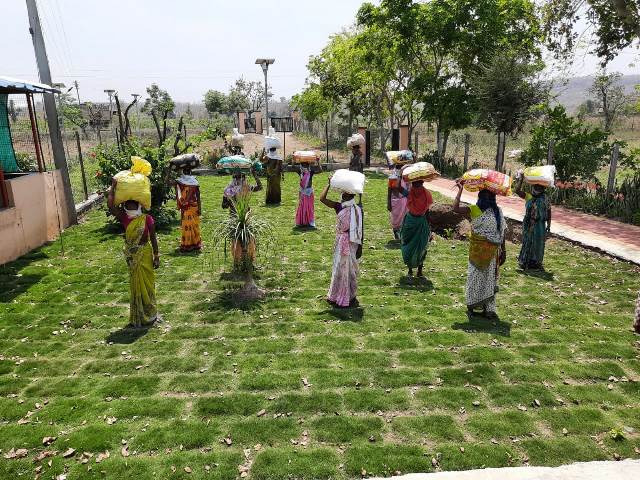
x: 110, y: 93
x: 264, y: 63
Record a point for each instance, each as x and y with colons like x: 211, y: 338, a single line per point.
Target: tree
x: 578, y: 152
x: 13, y: 111
x: 610, y: 98
x: 215, y: 102
x: 71, y: 113
x: 586, y: 108
x: 312, y: 103
x: 614, y: 23
x: 449, y: 41
x: 159, y: 105
x: 246, y: 95
x: 507, y: 92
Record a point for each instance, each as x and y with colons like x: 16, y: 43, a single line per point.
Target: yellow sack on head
x: 134, y: 184
x: 140, y: 165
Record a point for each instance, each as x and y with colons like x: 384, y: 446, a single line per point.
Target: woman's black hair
x: 486, y: 200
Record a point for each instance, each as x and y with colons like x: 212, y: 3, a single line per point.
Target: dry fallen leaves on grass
x: 13, y: 453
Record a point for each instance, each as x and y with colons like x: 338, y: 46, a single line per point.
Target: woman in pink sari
x: 396, y: 201
x: 347, y: 250
x: 305, y: 214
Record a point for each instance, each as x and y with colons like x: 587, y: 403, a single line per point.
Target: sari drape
x: 143, y: 310
x: 189, y: 217
x: 534, y: 232
x: 305, y: 214
x: 415, y: 239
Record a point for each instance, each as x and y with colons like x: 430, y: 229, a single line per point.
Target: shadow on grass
x: 393, y: 245
x: 231, y: 299
x: 13, y: 281
x: 349, y: 314
x: 127, y: 335
x: 477, y: 323
x: 179, y: 253
x: 540, y: 274
x: 108, y: 230
x: 420, y: 284
x: 301, y: 230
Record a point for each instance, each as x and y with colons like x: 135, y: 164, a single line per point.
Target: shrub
x: 112, y: 159
x: 579, y: 151
x: 26, y: 162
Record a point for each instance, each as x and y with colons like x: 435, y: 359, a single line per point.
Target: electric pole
x: 50, y: 108
x: 75, y: 84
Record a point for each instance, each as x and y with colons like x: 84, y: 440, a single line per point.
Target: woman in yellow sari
x: 486, y: 245
x: 141, y: 253
x: 190, y: 206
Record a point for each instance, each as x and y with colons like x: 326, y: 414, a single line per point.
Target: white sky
x: 186, y: 46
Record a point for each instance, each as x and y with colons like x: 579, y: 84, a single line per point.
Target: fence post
x: 500, y: 152
x: 612, y: 168
x: 84, y: 177
x: 326, y: 136
x: 415, y: 144
x: 550, y: 152
x: 467, y: 140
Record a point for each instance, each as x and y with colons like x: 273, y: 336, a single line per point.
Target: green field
x: 403, y: 384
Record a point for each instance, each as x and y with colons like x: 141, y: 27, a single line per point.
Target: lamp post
x: 264, y: 63
x: 135, y: 99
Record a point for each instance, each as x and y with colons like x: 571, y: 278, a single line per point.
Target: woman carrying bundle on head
x: 416, y: 231
x: 305, y: 214
x: 396, y: 200
x: 536, y: 224
x: 188, y: 200
x: 348, y: 244
x: 486, y: 247
x: 274, y: 169
x: 130, y: 190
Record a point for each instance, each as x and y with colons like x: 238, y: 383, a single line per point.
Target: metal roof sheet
x: 14, y: 85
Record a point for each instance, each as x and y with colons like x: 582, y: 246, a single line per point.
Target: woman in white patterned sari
x: 486, y: 248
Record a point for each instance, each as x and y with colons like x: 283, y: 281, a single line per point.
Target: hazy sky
x: 186, y: 46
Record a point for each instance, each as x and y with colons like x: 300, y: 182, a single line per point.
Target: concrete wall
x: 37, y: 203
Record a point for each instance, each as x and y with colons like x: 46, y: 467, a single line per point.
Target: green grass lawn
x: 299, y: 390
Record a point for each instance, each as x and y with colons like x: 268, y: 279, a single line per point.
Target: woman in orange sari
x: 190, y: 206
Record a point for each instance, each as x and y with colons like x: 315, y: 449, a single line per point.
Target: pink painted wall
x: 37, y: 204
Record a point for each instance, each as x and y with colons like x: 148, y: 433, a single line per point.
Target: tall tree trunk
x: 157, y: 124
x: 445, y: 140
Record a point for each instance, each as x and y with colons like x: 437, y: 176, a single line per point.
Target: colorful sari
x: 344, y: 277
x: 305, y: 215
x: 534, y: 232
x: 398, y: 208
x: 142, y: 288
x: 416, y: 230
x: 484, y: 250
x: 188, y: 190
x: 274, y: 179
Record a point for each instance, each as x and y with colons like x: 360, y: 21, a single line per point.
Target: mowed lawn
x: 290, y: 388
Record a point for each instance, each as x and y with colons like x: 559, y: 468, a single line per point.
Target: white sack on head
x: 355, y: 139
x: 237, y: 139
x: 348, y: 181
x: 271, y: 142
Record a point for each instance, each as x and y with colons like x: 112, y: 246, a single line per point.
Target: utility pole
x: 75, y: 84
x: 50, y: 108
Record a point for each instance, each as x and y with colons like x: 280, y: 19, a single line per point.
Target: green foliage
x: 508, y: 91
x: 245, y: 227
x: 245, y: 95
x: 579, y: 151
x: 216, y: 102
x: 610, y: 98
x: 112, y: 160
x: 26, y: 162
x: 312, y: 103
x: 616, y: 25
x: 159, y: 102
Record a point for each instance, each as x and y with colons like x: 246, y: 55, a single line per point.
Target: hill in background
x: 576, y: 90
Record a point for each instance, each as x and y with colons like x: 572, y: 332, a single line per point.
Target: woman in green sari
x: 535, y: 226
x: 416, y: 231
x: 141, y: 253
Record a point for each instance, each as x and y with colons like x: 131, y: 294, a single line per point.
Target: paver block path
x: 615, y: 238
x: 624, y: 470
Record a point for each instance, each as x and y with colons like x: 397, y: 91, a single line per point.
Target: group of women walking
x: 409, y: 204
